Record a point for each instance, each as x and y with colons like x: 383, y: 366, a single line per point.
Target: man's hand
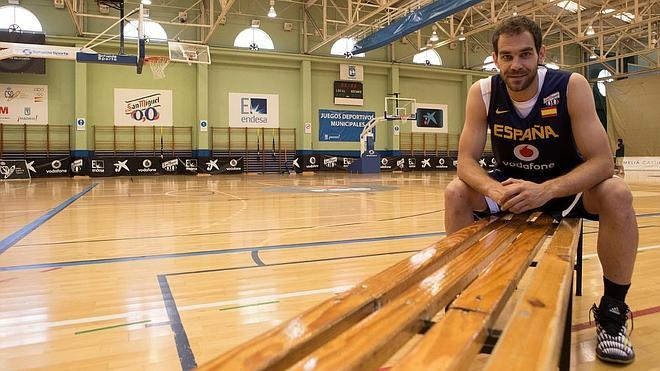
x: 520, y: 195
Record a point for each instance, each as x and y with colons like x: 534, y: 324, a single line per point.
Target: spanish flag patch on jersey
x: 549, y: 112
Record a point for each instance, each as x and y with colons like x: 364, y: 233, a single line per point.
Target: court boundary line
x: 186, y: 355
x: 216, y: 252
x: 10, y: 240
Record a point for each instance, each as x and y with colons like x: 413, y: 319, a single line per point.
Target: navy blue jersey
x: 540, y: 146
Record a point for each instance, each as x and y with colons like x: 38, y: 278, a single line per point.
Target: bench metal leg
x: 565, y: 356
x: 578, y: 265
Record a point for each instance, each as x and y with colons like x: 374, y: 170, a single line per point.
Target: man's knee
x: 610, y: 195
x: 459, y: 194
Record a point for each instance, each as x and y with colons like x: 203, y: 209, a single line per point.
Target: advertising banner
x: 335, y: 162
x: 251, y: 110
x: 343, y: 126
x: 221, y: 165
x: 141, y: 107
x: 24, y: 104
x: 391, y: 163
x: 431, y: 118
x: 13, y: 170
x: 43, y: 167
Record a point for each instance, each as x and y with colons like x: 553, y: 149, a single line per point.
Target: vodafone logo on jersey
x: 526, y: 152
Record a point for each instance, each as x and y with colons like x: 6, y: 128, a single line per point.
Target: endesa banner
x: 141, y: 107
x: 251, y: 110
x: 23, y: 104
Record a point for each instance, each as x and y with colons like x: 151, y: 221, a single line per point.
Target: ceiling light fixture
x: 590, y: 31
x: 434, y: 36
x: 461, y: 36
x: 515, y: 10
x: 146, y: 2
x: 593, y: 54
x: 271, y: 11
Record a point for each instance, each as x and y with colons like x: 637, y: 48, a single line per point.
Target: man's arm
x: 591, y: 141
x: 471, y: 146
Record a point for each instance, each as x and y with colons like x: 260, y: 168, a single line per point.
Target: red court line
x: 639, y: 313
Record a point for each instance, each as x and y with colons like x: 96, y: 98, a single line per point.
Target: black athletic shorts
x: 558, y: 208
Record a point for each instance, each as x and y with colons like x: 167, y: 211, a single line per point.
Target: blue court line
x: 293, y: 262
x: 215, y: 252
x: 186, y: 356
x: 21, y: 233
x: 256, y: 258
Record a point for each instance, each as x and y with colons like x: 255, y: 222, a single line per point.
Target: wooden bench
x: 469, y: 275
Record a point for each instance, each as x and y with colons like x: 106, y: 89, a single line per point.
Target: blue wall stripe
x: 21, y: 233
x: 216, y: 252
x: 186, y: 356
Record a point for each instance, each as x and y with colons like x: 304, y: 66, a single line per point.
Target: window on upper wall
x: 428, y: 57
x: 152, y: 31
x: 254, y: 39
x: 489, y: 65
x: 16, y: 18
x: 600, y: 84
x: 344, y: 46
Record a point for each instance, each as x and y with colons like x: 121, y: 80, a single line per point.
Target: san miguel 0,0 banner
x: 24, y: 104
x: 248, y: 110
x: 141, y: 107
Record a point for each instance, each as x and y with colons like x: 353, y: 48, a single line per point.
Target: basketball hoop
x: 157, y: 65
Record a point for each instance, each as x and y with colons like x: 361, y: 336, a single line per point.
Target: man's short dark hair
x: 515, y: 26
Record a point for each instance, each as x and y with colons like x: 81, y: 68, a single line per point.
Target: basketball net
x: 157, y: 65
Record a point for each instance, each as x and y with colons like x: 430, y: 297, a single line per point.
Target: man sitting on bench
x: 552, y: 154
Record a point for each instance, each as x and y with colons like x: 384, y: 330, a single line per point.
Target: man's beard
x: 520, y: 84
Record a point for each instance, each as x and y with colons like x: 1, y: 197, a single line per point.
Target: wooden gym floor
x: 163, y: 273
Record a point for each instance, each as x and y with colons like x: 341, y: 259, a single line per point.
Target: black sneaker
x: 613, y: 343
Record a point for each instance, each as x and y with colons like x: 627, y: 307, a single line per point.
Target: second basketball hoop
x: 157, y: 65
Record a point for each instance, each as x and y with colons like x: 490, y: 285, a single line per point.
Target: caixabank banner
x: 142, y: 107
x: 425, y: 163
x: 121, y: 166
x: 220, y: 165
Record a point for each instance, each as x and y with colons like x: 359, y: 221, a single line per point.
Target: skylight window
x: 600, y: 84
x: 254, y: 39
x: 570, y: 6
x: 489, y: 65
x: 428, y: 57
x: 152, y: 31
x: 16, y: 19
x: 625, y: 16
x: 344, y: 46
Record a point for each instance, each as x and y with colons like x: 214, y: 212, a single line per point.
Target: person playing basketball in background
x: 552, y: 155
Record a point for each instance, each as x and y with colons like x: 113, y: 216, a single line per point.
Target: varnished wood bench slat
x: 453, y: 342
x: 538, y: 318
x: 375, y: 339
x: 287, y: 343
